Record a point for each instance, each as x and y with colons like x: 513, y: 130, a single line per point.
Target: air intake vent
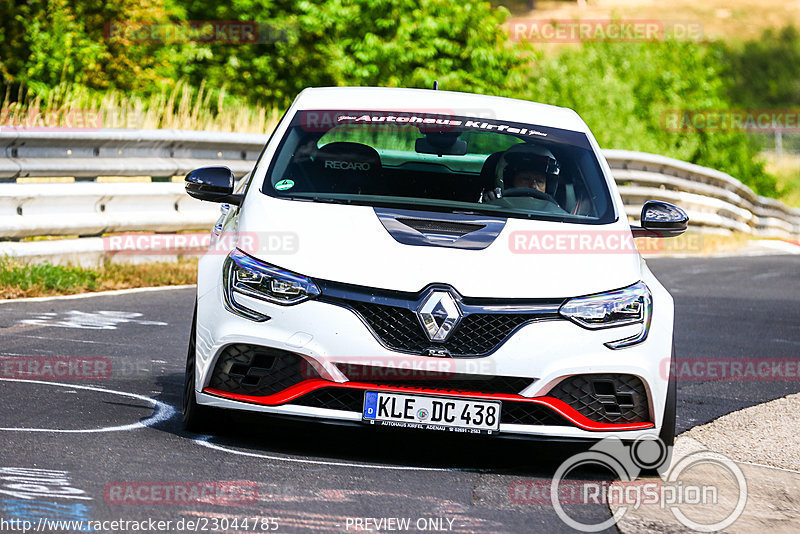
x: 606, y: 398
x: 258, y: 371
x: 428, y: 226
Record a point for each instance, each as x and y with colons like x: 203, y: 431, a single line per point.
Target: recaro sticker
x: 347, y: 165
x: 283, y: 185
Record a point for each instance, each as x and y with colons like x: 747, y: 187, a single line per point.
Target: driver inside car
x: 530, y: 178
x: 528, y: 173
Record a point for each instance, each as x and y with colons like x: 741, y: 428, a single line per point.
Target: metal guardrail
x: 92, y: 153
x: 714, y: 200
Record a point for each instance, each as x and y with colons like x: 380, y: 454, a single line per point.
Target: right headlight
x: 245, y: 275
x: 631, y: 305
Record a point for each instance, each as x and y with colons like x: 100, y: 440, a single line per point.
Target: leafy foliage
x: 766, y: 73
x: 392, y: 43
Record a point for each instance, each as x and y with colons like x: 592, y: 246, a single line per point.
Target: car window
x: 440, y: 162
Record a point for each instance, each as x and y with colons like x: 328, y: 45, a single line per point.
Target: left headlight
x: 246, y: 275
x: 631, y: 305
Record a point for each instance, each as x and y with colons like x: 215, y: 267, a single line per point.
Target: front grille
x: 528, y: 413
x: 350, y: 400
x: 413, y: 378
x: 258, y: 371
x: 605, y: 398
x: 476, y: 335
x: 515, y: 413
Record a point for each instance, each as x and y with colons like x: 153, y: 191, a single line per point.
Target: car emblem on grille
x: 439, y: 315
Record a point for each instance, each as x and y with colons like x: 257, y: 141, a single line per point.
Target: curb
x: 770, y: 464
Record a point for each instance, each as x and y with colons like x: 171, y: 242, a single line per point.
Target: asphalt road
x: 113, y: 447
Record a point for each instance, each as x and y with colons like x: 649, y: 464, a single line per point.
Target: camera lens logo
x: 675, y: 490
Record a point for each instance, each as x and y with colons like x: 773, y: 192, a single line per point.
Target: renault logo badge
x: 439, y: 315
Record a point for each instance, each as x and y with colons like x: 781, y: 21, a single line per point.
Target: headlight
x: 631, y: 305
x: 248, y: 276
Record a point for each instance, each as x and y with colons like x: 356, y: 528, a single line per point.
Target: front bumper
x: 331, y: 339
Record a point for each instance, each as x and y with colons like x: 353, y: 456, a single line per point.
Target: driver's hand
x: 492, y: 195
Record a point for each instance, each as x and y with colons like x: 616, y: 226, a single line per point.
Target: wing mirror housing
x: 214, y: 184
x: 661, y: 219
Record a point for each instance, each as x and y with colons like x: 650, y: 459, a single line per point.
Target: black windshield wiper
x: 326, y: 200
x: 329, y: 200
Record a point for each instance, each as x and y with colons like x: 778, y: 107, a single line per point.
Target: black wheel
x: 196, y: 418
x: 667, y: 433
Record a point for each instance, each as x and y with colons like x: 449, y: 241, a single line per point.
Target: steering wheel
x: 528, y: 192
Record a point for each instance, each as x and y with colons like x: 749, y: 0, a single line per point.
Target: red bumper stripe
x: 307, y: 386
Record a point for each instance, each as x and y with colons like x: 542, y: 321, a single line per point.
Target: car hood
x: 350, y: 244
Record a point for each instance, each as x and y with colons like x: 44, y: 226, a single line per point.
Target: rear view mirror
x: 441, y: 144
x: 661, y: 219
x: 214, y: 184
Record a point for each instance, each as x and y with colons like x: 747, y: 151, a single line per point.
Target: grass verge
x: 182, y: 108
x: 20, y: 280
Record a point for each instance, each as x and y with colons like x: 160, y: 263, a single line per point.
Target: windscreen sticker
x: 283, y: 185
x: 414, y: 119
x: 325, y: 120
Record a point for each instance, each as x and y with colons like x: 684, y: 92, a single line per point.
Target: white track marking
x: 204, y: 441
x: 97, y: 294
x: 767, y: 466
x: 161, y: 413
x: 96, y: 320
x: 70, y: 340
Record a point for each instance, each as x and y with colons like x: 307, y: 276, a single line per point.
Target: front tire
x: 196, y: 417
x: 667, y: 433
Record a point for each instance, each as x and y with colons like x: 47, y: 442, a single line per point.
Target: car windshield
x: 440, y: 162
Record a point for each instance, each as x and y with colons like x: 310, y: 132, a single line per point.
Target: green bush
x: 624, y: 90
x: 406, y: 43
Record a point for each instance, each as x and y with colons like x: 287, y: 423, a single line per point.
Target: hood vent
x: 443, y: 228
x: 437, y: 229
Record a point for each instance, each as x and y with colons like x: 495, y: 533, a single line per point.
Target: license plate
x: 431, y: 413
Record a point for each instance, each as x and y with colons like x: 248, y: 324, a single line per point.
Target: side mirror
x: 214, y: 184
x: 661, y: 219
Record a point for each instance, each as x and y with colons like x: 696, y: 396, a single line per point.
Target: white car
x: 432, y: 260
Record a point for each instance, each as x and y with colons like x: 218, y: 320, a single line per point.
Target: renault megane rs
x: 433, y: 260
